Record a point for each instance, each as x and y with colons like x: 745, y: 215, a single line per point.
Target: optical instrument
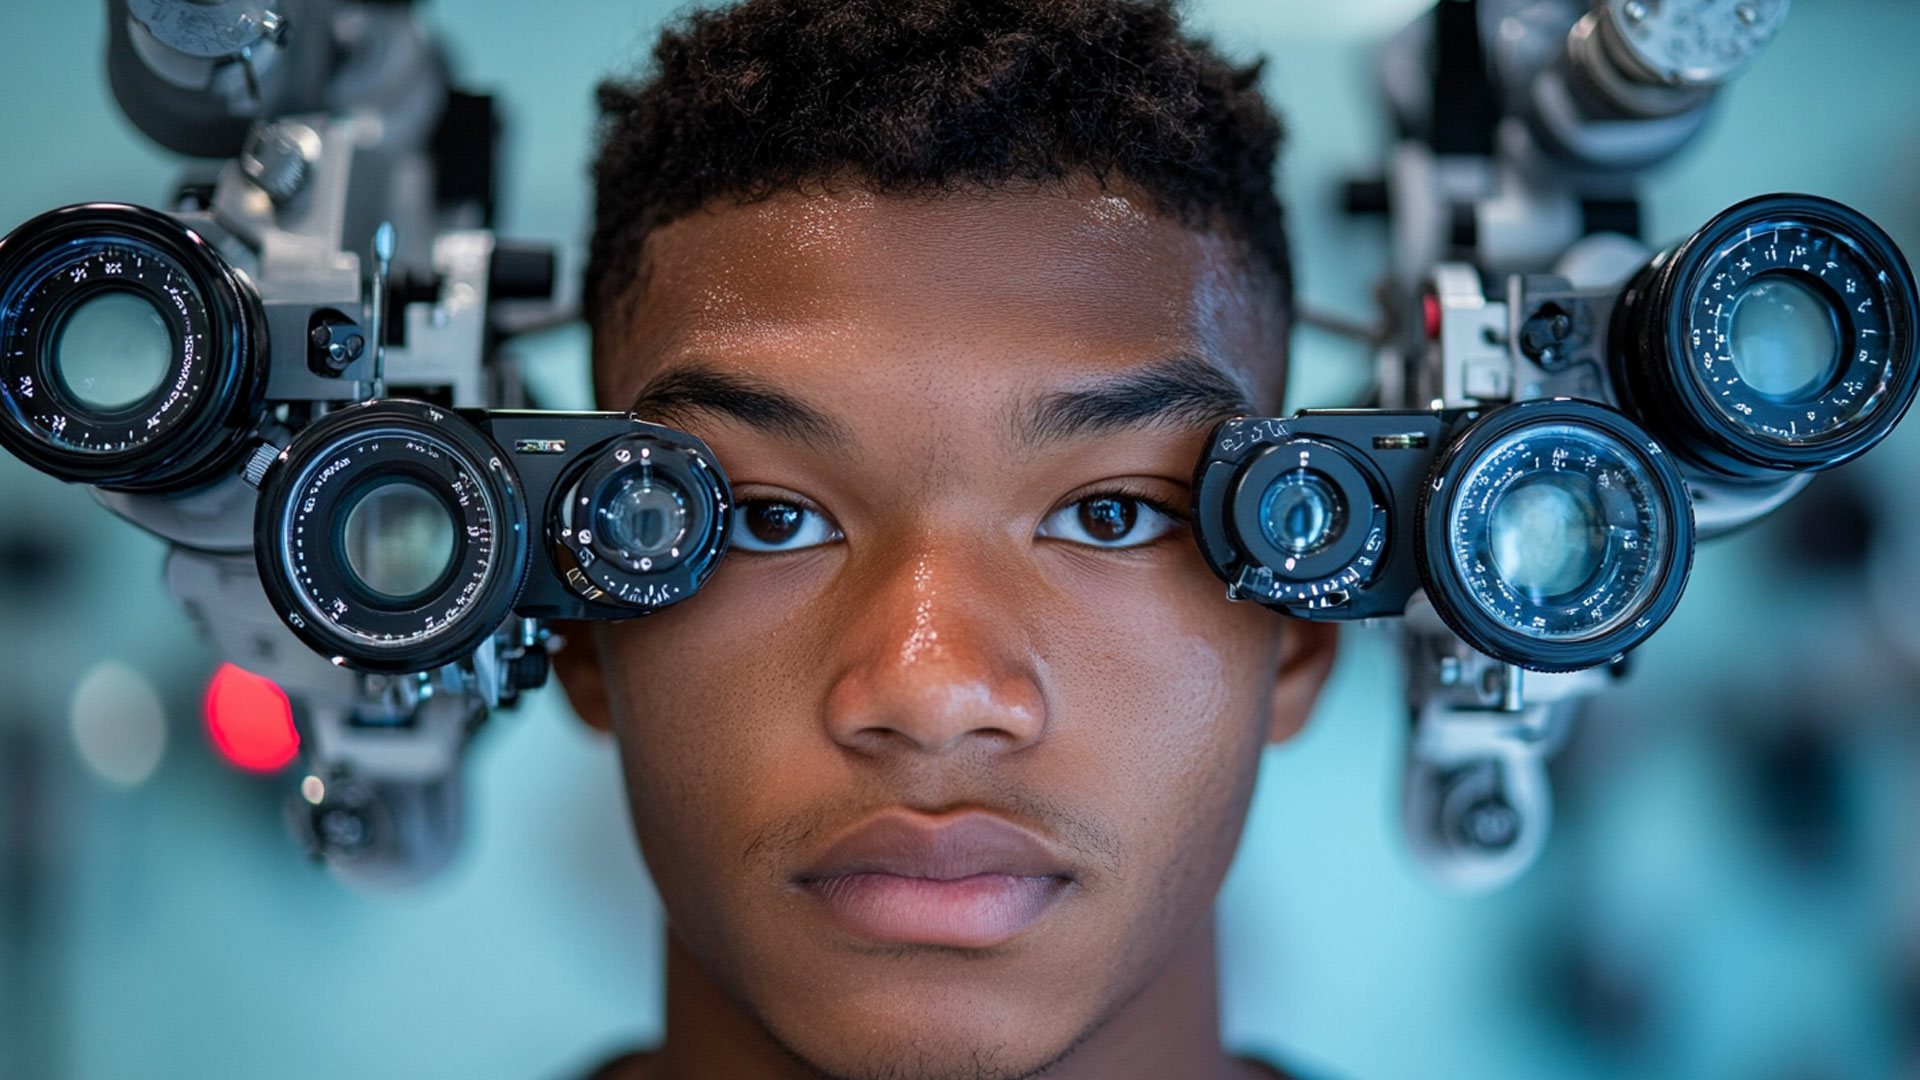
x: 1552, y: 535
x: 396, y: 536
x: 291, y: 374
x: 1518, y: 272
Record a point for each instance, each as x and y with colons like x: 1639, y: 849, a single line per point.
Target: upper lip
x: 944, y: 848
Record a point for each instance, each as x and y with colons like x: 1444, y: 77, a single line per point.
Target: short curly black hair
x: 929, y: 95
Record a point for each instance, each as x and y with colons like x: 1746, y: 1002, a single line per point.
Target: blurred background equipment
x: 1733, y: 881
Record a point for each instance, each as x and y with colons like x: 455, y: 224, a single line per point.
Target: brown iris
x: 1108, y: 519
x: 773, y: 522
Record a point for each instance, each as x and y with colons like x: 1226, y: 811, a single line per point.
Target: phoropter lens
x: 132, y: 356
x: 1782, y: 338
x: 1301, y: 513
x: 398, y: 540
x: 645, y: 517
x: 392, y: 536
x: 1779, y: 338
x: 643, y: 522
x: 112, y: 350
x: 1555, y: 535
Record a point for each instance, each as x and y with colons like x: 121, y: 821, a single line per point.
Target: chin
x: 926, y: 1031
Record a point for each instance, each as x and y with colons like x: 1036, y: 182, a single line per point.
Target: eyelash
x: 814, y: 519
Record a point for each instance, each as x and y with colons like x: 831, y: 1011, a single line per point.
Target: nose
x: 935, y: 659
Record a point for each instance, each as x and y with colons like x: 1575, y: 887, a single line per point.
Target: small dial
x: 1696, y: 42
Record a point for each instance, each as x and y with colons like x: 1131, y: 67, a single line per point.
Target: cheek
x: 1166, y: 690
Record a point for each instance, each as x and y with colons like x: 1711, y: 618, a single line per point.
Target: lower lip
x: 974, y: 912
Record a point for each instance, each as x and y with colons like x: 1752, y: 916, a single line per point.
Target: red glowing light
x: 250, y: 720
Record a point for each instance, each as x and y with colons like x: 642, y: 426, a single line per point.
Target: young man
x: 938, y: 776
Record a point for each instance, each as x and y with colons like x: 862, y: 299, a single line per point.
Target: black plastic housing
x: 512, y: 559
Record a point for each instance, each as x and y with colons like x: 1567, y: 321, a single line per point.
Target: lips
x: 970, y: 880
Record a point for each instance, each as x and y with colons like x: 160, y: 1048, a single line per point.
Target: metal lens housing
x: 1555, y: 535
x: 391, y: 536
x: 645, y: 521
x: 1307, y: 521
x: 1778, y: 338
x: 131, y: 353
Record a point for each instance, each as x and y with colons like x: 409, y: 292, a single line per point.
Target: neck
x: 1171, y: 1027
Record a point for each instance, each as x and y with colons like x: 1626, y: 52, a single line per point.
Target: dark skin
x: 949, y: 421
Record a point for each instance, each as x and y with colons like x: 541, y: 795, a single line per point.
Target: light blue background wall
x: 171, y: 930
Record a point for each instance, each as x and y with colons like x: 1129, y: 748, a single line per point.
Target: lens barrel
x: 132, y: 356
x: 1306, y: 513
x: 645, y: 522
x: 1554, y: 534
x: 392, y: 537
x: 1778, y: 338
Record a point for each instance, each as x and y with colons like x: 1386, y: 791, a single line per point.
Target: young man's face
x: 949, y: 757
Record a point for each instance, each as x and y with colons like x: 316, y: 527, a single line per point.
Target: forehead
x: 1006, y: 286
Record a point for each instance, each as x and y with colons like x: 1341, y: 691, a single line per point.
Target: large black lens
x: 392, y: 537
x: 644, y: 521
x: 1556, y: 535
x: 131, y: 354
x: 1780, y: 337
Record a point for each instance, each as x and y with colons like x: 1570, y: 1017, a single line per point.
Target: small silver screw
x: 1747, y: 13
x: 1636, y: 12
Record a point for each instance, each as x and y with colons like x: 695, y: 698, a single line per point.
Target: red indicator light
x: 1430, y: 315
x: 250, y: 720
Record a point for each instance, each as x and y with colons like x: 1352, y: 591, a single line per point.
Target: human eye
x: 1111, y: 519
x: 780, y: 524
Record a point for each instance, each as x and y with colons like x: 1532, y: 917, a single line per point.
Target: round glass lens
x: 399, y: 540
x: 643, y: 518
x: 1782, y: 338
x: 113, y: 350
x: 1558, y: 531
x: 1548, y: 534
x: 1301, y: 513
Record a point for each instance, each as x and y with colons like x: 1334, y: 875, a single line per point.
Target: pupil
x: 773, y: 522
x: 1108, y: 518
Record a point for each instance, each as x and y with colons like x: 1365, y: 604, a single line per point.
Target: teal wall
x: 170, y: 929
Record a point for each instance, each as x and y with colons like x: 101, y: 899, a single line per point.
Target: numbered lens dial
x: 1558, y: 535
x: 129, y: 350
x: 392, y: 537
x: 1778, y: 338
x: 1787, y: 333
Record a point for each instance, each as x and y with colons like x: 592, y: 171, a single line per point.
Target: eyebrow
x: 673, y: 396
x: 1181, y: 391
